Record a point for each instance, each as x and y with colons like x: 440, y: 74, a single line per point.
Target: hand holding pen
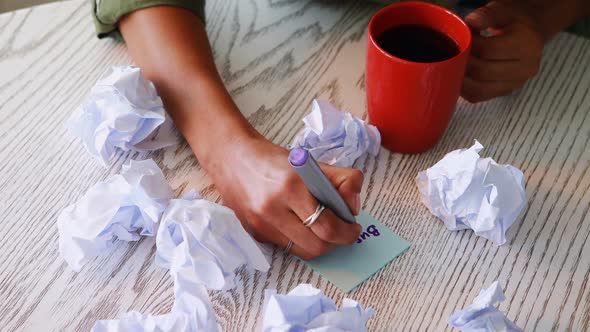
x: 273, y: 202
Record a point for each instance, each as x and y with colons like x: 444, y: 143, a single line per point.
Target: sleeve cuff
x: 106, y: 13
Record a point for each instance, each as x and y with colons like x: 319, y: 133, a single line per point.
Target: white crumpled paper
x: 202, y: 242
x: 192, y: 312
x: 336, y: 138
x: 124, y: 206
x: 306, y: 308
x: 469, y: 192
x: 137, y: 322
x: 483, y: 315
x: 123, y: 111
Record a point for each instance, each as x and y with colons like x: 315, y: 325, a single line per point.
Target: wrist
x: 220, y: 142
x: 209, y: 119
x: 551, y: 17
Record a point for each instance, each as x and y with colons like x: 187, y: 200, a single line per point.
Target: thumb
x: 493, y: 15
x: 348, y: 182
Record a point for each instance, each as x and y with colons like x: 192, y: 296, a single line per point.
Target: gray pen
x: 318, y: 184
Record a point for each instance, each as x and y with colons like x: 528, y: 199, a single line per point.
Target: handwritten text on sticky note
x: 348, y: 266
x: 371, y: 230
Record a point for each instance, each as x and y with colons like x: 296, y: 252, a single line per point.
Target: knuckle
x: 290, y: 180
x: 257, y: 225
x: 358, y: 175
x: 288, y: 187
x: 328, y: 231
x: 484, y: 11
x: 263, y: 209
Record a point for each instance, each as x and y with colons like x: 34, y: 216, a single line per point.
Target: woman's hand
x: 503, y: 61
x: 256, y: 180
x: 253, y: 175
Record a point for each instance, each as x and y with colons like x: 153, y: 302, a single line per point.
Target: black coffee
x: 417, y: 43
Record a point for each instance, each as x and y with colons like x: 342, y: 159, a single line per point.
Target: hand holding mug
x: 412, y: 92
x: 504, y: 59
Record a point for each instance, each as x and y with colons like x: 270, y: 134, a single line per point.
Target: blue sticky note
x: 348, y: 266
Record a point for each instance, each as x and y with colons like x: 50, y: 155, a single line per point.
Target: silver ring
x: 288, y: 247
x: 311, y: 219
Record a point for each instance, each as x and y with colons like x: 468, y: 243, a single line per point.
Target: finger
x: 517, y: 43
x: 298, y: 250
x: 282, y: 241
x: 327, y: 227
x: 492, y: 15
x: 305, y: 244
x: 477, y: 91
x: 292, y: 227
x: 348, y: 182
x: 332, y: 229
x: 500, y: 70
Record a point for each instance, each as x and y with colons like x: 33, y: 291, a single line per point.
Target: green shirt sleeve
x: 106, y: 13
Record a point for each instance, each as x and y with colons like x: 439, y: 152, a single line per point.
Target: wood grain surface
x: 276, y: 56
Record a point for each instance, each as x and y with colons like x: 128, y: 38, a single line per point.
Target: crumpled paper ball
x: 192, y: 312
x: 202, y: 242
x: 125, y: 206
x: 469, y: 192
x: 306, y: 308
x: 336, y: 138
x: 122, y: 112
x: 483, y: 315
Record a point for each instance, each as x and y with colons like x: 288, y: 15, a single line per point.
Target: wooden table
x: 275, y: 58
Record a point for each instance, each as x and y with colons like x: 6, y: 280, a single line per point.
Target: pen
x: 318, y: 183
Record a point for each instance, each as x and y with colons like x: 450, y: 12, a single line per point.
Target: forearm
x: 552, y: 16
x: 170, y: 45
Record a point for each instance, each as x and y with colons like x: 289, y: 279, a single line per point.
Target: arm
x: 170, y: 45
x: 252, y: 175
x: 552, y: 16
x: 503, y: 62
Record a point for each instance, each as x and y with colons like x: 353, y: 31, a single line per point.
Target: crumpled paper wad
x: 306, y: 308
x: 125, y: 206
x: 122, y: 112
x: 192, y: 312
x: 483, y: 315
x: 202, y: 242
x: 469, y: 192
x: 336, y: 138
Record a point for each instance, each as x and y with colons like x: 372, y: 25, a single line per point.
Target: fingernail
x: 357, y: 204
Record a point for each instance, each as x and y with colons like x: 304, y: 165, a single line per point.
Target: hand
x: 504, y: 61
x: 256, y: 180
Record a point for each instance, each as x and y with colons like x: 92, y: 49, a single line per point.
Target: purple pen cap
x: 298, y: 156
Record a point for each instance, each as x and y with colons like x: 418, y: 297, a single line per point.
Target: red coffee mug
x: 412, y: 102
